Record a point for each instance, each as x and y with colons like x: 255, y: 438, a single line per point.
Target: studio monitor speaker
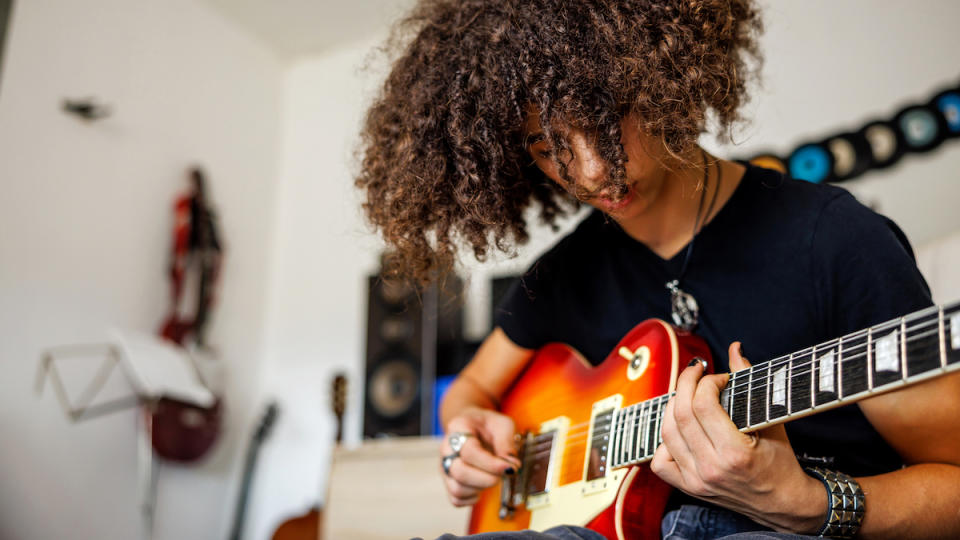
x: 412, y: 335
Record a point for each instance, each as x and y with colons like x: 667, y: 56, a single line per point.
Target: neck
x: 666, y: 226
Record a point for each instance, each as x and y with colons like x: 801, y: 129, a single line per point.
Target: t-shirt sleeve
x: 864, y: 270
x: 527, y: 308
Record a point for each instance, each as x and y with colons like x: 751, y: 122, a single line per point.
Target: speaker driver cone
x: 392, y: 389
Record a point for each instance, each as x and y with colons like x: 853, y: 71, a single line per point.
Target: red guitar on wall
x: 588, y: 432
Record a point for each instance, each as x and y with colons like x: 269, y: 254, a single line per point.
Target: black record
x: 885, y: 141
x: 922, y: 127
x: 852, y: 155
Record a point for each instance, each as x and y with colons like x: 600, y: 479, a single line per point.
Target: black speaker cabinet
x: 412, y: 336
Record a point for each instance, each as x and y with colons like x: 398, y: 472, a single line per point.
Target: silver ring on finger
x: 447, y: 461
x: 457, y: 439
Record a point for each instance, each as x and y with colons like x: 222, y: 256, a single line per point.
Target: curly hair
x: 444, y: 162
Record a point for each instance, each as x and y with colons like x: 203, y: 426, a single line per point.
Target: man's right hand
x: 488, y: 453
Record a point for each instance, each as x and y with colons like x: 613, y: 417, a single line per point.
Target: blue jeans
x: 689, y: 522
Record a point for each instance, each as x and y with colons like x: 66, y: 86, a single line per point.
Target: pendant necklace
x: 684, y: 308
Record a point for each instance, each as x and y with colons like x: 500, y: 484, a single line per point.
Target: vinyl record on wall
x: 769, y: 161
x: 886, y: 146
x: 851, y: 155
x: 948, y: 103
x: 811, y: 162
x: 923, y: 128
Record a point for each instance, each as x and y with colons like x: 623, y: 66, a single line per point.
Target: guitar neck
x: 882, y: 358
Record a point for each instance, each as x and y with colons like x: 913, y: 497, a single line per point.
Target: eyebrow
x: 534, y: 138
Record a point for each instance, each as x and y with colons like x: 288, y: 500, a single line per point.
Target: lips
x: 611, y: 205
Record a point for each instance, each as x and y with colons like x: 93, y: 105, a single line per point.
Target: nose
x: 588, y: 168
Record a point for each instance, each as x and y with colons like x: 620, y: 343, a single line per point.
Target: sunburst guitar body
x: 575, y: 472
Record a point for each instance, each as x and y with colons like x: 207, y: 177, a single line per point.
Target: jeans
x: 689, y: 522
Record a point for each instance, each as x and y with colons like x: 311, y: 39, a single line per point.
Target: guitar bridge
x: 511, y: 485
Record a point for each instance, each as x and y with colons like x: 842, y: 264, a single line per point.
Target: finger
x: 675, y: 447
x: 664, y: 466
x: 717, y: 425
x: 688, y: 425
x: 468, y: 501
x: 458, y: 490
x: 499, y: 431
x: 475, y: 454
x: 737, y: 360
x: 470, y: 476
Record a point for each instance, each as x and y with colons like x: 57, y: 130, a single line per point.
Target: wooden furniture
x: 389, y: 489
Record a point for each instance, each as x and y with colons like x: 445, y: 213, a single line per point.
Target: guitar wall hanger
x: 88, y: 109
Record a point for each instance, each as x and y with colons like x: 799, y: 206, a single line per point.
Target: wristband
x: 845, y: 503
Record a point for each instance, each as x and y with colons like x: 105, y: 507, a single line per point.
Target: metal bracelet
x: 845, y: 503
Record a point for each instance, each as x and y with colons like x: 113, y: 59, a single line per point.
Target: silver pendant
x: 685, y: 311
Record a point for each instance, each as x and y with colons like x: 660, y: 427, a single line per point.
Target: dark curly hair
x: 444, y: 160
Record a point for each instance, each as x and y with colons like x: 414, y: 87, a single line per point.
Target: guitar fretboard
x: 844, y: 370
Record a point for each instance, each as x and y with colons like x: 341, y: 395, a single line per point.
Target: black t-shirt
x: 784, y: 265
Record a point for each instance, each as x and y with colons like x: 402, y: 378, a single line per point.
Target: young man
x: 495, y: 106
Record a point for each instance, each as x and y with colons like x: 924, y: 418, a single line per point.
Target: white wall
x: 85, y: 221
x: 84, y: 224
x: 833, y: 66
x: 830, y: 66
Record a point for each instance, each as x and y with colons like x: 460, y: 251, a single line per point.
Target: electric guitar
x: 588, y: 432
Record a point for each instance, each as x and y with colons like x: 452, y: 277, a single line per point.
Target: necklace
x: 684, y: 308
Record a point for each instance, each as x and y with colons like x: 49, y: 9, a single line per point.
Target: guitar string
x: 801, y: 360
x: 575, y: 435
x: 798, y: 370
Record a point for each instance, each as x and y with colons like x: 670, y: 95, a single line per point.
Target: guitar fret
x: 943, y: 338
x: 952, y: 335
x: 644, y: 423
x: 867, y: 358
x: 656, y: 431
x: 621, y: 425
x: 903, y: 348
x: 790, y: 385
x: 839, y: 369
x: 615, y: 438
x: 813, y: 380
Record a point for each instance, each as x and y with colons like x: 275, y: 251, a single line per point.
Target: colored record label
x: 883, y: 143
x: 844, y: 156
x: 920, y: 128
x: 810, y: 162
x: 768, y: 161
x: 949, y: 105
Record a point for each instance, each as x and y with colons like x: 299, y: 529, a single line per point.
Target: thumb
x: 737, y: 361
